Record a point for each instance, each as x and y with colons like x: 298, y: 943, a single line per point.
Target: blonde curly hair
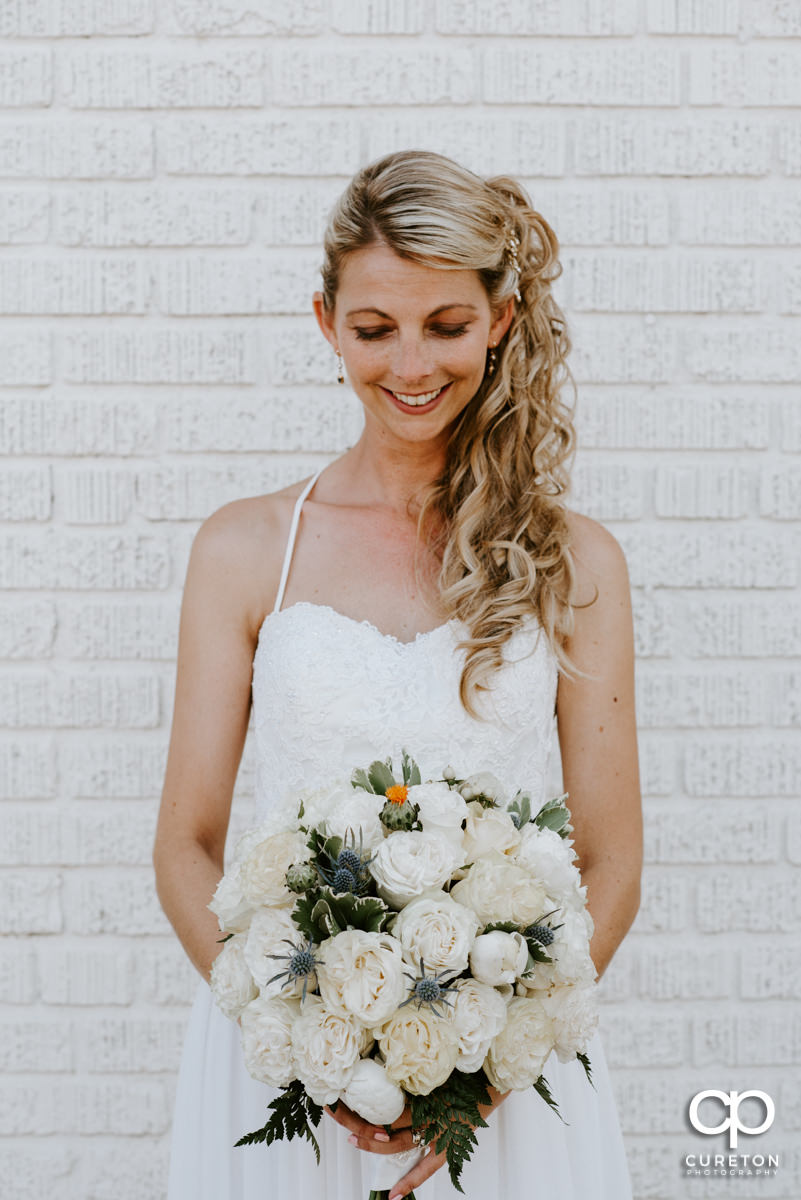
x: 494, y: 514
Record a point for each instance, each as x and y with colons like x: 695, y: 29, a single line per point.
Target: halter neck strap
x: 293, y: 528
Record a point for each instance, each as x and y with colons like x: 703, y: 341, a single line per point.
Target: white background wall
x: 165, y: 171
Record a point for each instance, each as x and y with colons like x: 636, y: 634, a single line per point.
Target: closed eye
x: 371, y: 335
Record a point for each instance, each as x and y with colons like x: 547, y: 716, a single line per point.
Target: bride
x: 430, y: 551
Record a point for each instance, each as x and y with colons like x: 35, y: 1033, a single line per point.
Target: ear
x: 324, y: 319
x: 501, y: 324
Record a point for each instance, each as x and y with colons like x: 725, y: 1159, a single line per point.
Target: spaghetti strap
x: 290, y: 544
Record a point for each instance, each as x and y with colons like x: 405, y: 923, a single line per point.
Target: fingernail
x: 353, y: 1139
x: 381, y: 1137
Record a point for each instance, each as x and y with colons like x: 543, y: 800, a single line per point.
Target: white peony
x: 442, y: 811
x: 478, y: 1016
x: 326, y: 1048
x: 498, y: 957
x: 570, y: 952
x: 361, y: 975
x: 358, y: 811
x: 318, y: 803
x: 438, y: 930
x: 419, y: 1049
x: 488, y: 829
x: 574, y: 1012
x: 232, y: 910
x: 281, y: 819
x: 517, y: 1054
x: 484, y: 783
x: 406, y: 864
x: 268, y: 934
x: 267, y: 1024
x: 265, y: 867
x: 550, y: 857
x: 498, y: 889
x: 372, y: 1094
x: 230, y: 981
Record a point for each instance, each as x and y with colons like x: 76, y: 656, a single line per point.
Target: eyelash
x: 364, y: 336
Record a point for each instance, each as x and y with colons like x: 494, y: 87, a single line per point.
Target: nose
x: 412, y: 360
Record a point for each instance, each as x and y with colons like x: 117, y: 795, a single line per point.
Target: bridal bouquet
x: 390, y: 942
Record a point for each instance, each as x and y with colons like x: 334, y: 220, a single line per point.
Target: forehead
x: 376, y: 276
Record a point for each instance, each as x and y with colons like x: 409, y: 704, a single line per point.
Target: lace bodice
x: 331, y: 693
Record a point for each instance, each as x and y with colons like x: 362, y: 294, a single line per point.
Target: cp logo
x: 732, y: 1101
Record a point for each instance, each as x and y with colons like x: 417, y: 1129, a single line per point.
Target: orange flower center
x: 397, y: 793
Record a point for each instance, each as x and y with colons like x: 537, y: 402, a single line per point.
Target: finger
x: 363, y: 1133
x: 418, y: 1174
x: 379, y: 1142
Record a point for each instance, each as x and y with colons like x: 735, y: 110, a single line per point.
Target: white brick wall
x: 165, y: 170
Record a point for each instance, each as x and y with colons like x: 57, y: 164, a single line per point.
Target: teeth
x: 416, y: 401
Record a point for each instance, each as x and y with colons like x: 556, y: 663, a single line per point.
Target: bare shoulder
x: 597, y: 556
x: 242, y: 543
x: 603, y: 619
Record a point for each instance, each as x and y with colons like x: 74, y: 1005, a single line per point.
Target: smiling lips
x: 418, y: 401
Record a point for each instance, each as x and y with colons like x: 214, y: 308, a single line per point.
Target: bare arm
x: 219, y: 619
x: 598, y: 740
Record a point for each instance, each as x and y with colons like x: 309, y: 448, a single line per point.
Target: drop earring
x: 492, y: 361
x: 340, y: 368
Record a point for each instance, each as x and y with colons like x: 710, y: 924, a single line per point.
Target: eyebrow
x: 379, y: 313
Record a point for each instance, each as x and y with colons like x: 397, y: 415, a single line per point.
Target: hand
x: 367, y: 1136
x: 432, y: 1161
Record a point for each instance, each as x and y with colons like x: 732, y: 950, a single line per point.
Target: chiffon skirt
x: 525, y: 1152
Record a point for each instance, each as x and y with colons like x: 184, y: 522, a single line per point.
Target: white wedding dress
x: 331, y: 693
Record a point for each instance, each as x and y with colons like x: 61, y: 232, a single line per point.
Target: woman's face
x: 413, y: 338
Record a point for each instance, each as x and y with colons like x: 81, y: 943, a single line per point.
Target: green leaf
x: 302, y: 914
x: 227, y: 937
x: 555, y: 815
x: 324, y: 918
x: 380, y: 776
x: 541, y: 1086
x: 585, y: 1062
x: 294, y: 1113
x: 448, y: 1115
x: 536, y: 953
x: 520, y: 809
x: 332, y: 912
x: 359, y: 778
x: 411, y: 771
x: 502, y: 926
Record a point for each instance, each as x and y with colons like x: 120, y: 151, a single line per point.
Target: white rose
x: 232, y: 910
x: 372, y: 1094
x: 268, y: 934
x: 518, y: 1053
x: 570, y: 954
x: 407, y: 864
x: 437, y: 930
x: 231, y: 982
x: 488, y: 829
x: 419, y: 1049
x: 264, y: 870
x: 500, y: 890
x: 442, y: 811
x: 326, y: 1048
x: 498, y: 957
x: 358, y: 811
x: 361, y: 975
x: 267, y: 1039
x: 574, y: 1012
x: 550, y: 857
x: 478, y: 1016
